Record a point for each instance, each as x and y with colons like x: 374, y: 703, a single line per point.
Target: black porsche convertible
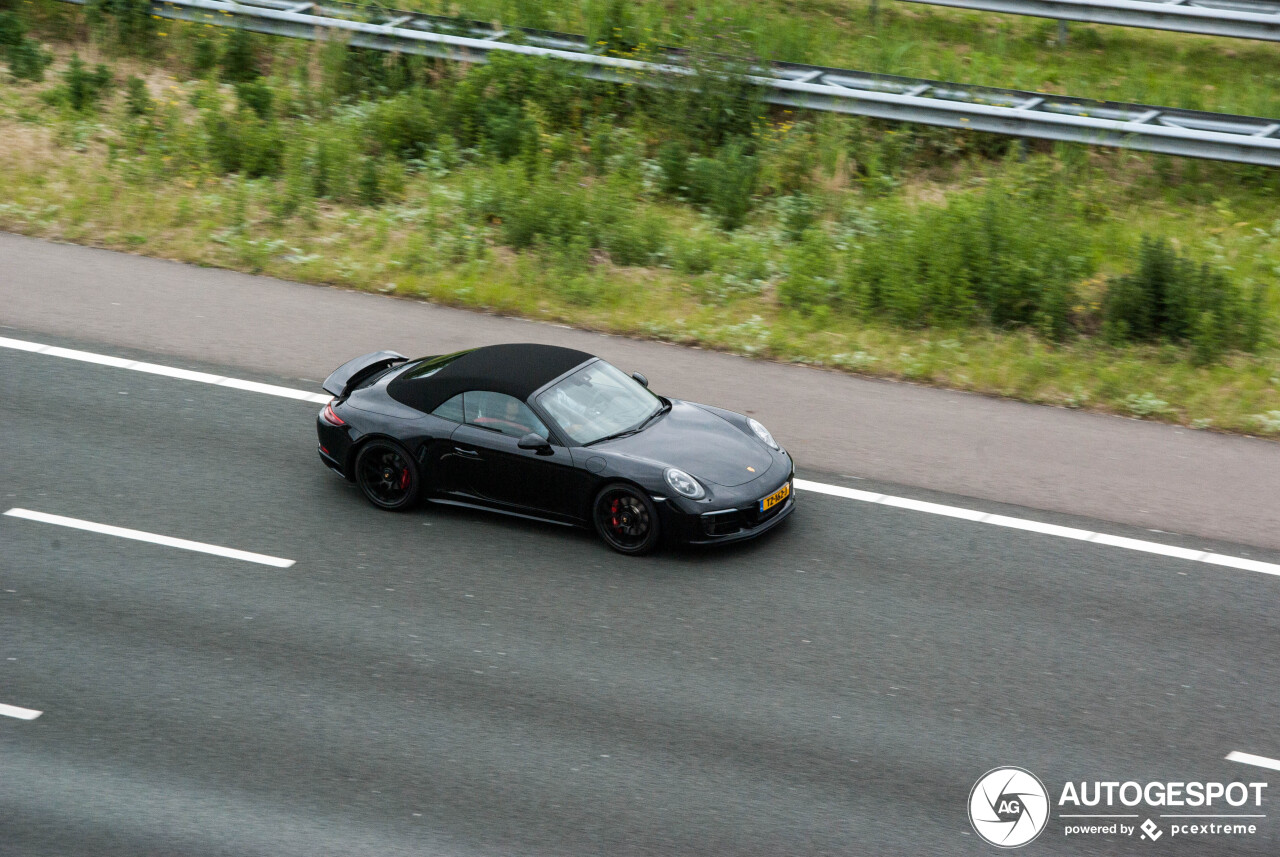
x: 553, y: 434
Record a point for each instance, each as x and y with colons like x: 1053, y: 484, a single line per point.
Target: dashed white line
x: 20, y: 713
x: 1250, y: 759
x: 907, y: 503
x: 153, y: 538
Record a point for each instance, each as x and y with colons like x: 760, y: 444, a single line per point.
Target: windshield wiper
x: 637, y: 429
x: 666, y: 406
x: 613, y: 436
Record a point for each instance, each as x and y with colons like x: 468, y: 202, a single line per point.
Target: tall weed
x: 1170, y: 297
x: 1007, y: 256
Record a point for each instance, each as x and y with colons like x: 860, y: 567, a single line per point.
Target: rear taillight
x: 330, y: 417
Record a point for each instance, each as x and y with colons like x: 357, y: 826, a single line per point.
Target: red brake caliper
x: 404, y: 479
x: 613, y: 510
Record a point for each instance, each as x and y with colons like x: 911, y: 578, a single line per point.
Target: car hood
x: 700, y: 443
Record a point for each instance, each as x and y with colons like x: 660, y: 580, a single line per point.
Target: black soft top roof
x: 516, y: 369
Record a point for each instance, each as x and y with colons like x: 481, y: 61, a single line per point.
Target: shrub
x: 256, y: 96
x: 370, y: 188
x: 507, y: 131
x: 487, y: 106
x: 1169, y: 297
x: 204, y: 55
x: 717, y: 103
x: 333, y: 167
x: 1008, y: 257
x: 82, y: 88
x: 673, y: 161
x: 11, y: 30
x: 240, y: 58
x: 244, y: 143
x: 403, y: 125
x: 296, y: 193
x: 791, y: 157
x: 695, y: 253
x: 555, y: 211
x: 26, y: 59
x: 796, y: 213
x: 363, y: 72
x: 125, y: 24
x: 137, y: 99
x: 725, y: 184
x: 811, y: 274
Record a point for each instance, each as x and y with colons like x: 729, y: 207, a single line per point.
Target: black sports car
x: 553, y: 434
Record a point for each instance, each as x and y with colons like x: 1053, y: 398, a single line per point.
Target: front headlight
x: 684, y: 484
x: 762, y: 433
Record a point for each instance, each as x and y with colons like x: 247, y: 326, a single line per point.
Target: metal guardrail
x: 1190, y: 133
x: 1239, y: 19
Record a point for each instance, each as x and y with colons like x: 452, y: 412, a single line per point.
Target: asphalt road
x: 446, y: 682
x: 1114, y: 469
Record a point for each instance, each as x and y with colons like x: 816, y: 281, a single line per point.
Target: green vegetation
x: 82, y: 89
x: 22, y: 53
x: 1088, y: 278
x: 1170, y: 297
x: 1114, y: 63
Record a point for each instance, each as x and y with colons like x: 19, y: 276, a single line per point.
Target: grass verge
x: 594, y: 208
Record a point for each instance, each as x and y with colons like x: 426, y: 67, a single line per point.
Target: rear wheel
x: 626, y: 519
x: 388, y: 475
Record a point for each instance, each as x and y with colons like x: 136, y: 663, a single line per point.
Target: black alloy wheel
x: 626, y: 519
x: 388, y: 475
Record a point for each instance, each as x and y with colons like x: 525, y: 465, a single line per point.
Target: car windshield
x: 597, y: 401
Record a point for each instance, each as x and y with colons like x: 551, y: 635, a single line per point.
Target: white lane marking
x: 977, y: 517
x: 1250, y: 759
x: 20, y: 713
x: 802, y: 484
x: 153, y: 538
x: 167, y: 371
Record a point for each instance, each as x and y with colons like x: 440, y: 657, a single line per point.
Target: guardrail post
x: 1062, y: 33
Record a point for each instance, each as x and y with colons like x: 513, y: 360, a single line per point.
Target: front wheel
x: 388, y: 475
x: 626, y: 519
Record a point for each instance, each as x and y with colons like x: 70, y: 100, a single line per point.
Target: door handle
x: 470, y: 453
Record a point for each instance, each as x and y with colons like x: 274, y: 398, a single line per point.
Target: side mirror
x: 640, y: 379
x: 535, y: 441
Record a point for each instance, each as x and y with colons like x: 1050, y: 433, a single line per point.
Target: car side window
x: 450, y: 410
x: 502, y: 413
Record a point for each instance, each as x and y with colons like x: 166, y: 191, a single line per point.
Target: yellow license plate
x: 775, y: 498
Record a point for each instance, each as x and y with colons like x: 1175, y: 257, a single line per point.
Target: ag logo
x: 1008, y: 807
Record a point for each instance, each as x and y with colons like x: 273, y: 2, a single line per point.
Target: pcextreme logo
x: 1009, y: 807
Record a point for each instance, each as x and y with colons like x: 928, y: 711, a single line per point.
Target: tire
x: 626, y: 519
x: 387, y: 475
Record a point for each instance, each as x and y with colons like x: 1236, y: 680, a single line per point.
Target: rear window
x: 428, y: 366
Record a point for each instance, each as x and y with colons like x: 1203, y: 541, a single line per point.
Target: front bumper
x: 743, y: 520
x: 724, y: 529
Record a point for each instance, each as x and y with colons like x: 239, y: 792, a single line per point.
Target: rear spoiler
x: 349, y: 374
